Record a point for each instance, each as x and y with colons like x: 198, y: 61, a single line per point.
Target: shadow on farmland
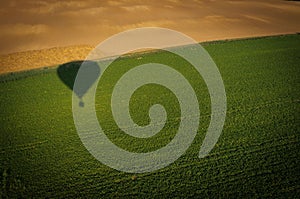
x: 68, y: 72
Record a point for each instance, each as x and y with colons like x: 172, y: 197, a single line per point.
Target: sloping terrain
x: 257, y: 154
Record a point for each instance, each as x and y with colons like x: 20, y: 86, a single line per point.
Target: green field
x: 257, y: 154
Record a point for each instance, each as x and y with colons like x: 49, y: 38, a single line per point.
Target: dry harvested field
x: 38, y: 58
x: 52, y: 25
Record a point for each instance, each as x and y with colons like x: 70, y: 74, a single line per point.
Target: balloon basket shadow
x: 81, y: 104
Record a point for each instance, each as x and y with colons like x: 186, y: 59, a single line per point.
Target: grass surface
x: 257, y: 154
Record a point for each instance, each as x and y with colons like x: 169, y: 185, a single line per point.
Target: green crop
x: 257, y: 154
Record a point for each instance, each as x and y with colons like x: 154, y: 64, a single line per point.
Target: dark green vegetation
x: 257, y: 154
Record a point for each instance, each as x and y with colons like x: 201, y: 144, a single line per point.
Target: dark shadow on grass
x: 68, y: 72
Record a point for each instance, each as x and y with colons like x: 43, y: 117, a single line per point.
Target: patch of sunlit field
x: 257, y: 155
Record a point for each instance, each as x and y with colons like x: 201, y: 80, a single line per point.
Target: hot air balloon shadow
x: 68, y: 72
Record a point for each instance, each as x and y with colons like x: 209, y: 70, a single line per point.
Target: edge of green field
x: 15, y: 75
